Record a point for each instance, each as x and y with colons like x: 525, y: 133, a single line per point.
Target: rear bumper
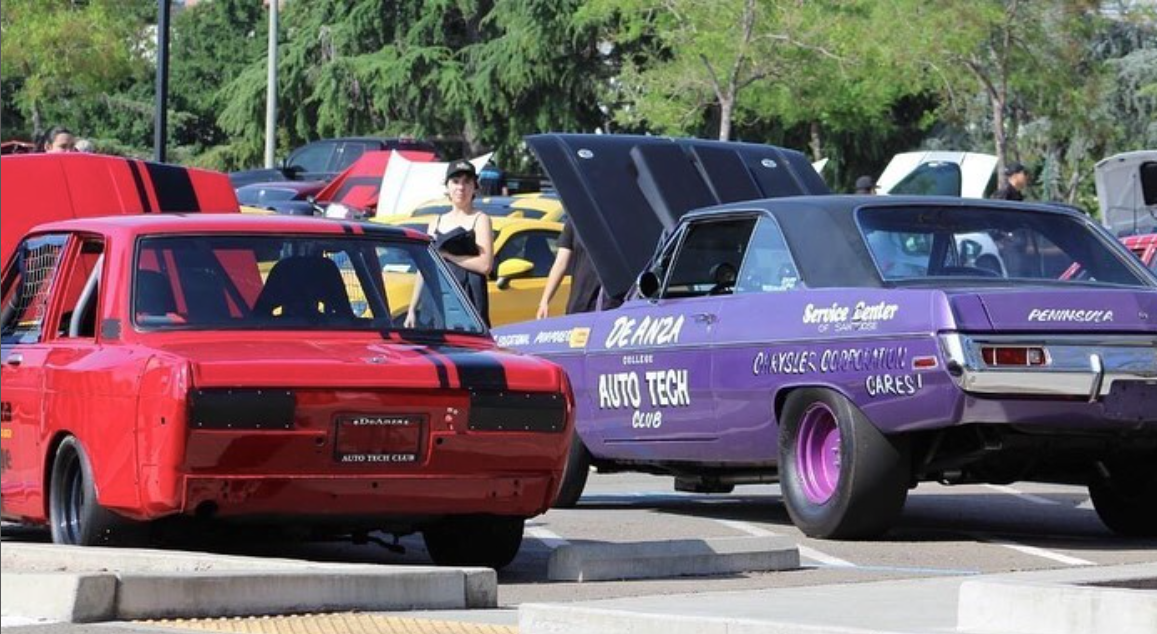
x: 375, y: 500
x: 1086, y: 367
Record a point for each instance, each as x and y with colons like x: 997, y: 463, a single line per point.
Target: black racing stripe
x: 173, y: 187
x: 140, y: 183
x: 440, y: 365
x: 478, y: 371
x: 347, y: 229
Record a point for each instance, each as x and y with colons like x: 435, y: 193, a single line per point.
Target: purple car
x: 847, y: 347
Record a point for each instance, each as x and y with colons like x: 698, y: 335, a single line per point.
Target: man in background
x: 866, y: 185
x: 1016, y: 179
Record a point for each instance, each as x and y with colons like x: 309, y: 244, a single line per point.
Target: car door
x: 654, y: 360
x: 28, y: 287
x: 516, y: 299
x: 752, y: 351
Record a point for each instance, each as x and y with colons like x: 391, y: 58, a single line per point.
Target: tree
x: 60, y: 50
x: 480, y: 72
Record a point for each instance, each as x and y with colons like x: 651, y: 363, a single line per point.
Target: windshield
x: 292, y: 283
x: 914, y: 243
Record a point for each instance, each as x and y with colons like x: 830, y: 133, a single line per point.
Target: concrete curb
x: 1004, y: 606
x: 595, y: 561
x: 88, y: 584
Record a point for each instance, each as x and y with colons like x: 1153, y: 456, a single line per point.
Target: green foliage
x: 67, y: 53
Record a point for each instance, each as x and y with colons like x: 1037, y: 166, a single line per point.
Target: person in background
x: 866, y: 185
x: 58, y: 139
x: 464, y: 238
x: 585, y: 287
x: 84, y: 145
x: 1016, y: 179
x: 492, y: 181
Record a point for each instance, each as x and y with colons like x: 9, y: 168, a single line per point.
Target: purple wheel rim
x: 817, y: 451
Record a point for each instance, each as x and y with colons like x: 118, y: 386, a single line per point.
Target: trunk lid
x: 1056, y: 310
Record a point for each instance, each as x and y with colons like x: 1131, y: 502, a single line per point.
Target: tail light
x: 1014, y: 356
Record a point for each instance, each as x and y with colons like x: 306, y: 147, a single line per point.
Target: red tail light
x: 998, y: 356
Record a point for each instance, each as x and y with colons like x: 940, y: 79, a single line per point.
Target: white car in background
x: 956, y: 174
x: 1127, y: 192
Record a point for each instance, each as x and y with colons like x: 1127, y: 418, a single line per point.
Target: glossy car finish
x: 162, y: 365
x: 524, y: 251
x: 41, y: 188
x: 770, y: 340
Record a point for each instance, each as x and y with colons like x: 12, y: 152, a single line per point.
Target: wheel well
x: 49, y: 460
x: 784, y: 392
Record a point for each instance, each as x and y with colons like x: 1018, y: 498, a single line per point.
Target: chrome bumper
x: 1078, y: 365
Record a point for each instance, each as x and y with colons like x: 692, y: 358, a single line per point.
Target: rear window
x: 293, y: 282
x: 913, y: 243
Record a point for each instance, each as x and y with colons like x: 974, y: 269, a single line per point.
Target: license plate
x: 1132, y: 401
x: 394, y: 438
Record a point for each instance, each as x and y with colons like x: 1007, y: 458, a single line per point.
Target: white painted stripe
x: 549, y: 538
x: 1043, y: 553
x: 1020, y: 494
x: 804, y: 551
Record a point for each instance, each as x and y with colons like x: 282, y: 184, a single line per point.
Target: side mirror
x: 648, y: 284
x: 511, y: 269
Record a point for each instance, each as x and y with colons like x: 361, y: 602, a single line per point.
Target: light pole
x: 271, y: 90
x: 160, y: 117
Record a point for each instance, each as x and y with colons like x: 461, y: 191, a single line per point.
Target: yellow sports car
x: 524, y: 251
x: 536, y: 206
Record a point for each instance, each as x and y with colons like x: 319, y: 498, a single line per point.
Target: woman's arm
x: 484, y: 239
x: 553, y: 280
x: 411, y: 312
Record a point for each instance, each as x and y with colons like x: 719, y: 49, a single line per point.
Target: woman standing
x: 464, y: 238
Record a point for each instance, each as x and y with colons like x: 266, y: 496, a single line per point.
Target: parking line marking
x: 1020, y: 494
x: 549, y: 538
x: 1040, y: 552
x: 804, y: 551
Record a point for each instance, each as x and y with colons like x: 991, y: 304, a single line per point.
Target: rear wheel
x: 574, y: 477
x: 841, y: 478
x: 490, y: 541
x: 1126, y: 499
x: 75, y: 516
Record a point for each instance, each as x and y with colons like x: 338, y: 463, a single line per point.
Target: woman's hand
x: 411, y: 320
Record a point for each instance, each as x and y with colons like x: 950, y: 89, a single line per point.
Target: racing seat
x: 308, y: 288
x: 154, y: 294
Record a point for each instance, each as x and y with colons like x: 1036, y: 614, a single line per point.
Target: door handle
x: 705, y: 318
x: 14, y: 359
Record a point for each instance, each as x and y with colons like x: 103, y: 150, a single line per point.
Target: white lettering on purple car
x: 828, y: 361
x: 620, y: 389
x: 893, y: 384
x: 658, y: 331
x: 553, y: 336
x: 841, y: 318
x: 1092, y: 316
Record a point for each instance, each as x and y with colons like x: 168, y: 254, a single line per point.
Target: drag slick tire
x: 574, y: 477
x: 490, y: 541
x: 74, y: 515
x: 841, y: 478
x: 1125, y: 499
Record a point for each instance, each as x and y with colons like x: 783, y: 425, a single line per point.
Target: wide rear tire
x: 574, y: 477
x: 490, y: 541
x: 75, y: 516
x: 841, y: 478
x: 1126, y: 499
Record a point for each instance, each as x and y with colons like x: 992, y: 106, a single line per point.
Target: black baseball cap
x: 865, y: 183
x: 461, y: 166
x: 1014, y: 167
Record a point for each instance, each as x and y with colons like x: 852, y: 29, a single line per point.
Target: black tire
x: 74, y: 515
x: 574, y: 477
x: 490, y: 541
x: 1126, y: 499
x: 867, y: 480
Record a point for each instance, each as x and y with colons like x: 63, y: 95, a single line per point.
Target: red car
x: 1145, y: 247
x: 255, y: 368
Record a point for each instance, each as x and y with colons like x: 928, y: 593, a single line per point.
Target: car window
x: 939, y: 178
x: 80, y: 291
x: 538, y: 247
x: 27, y: 284
x: 293, y: 282
x: 312, y: 158
x: 349, y: 152
x: 768, y: 265
x: 912, y: 242
x: 262, y: 194
x: 708, y: 260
